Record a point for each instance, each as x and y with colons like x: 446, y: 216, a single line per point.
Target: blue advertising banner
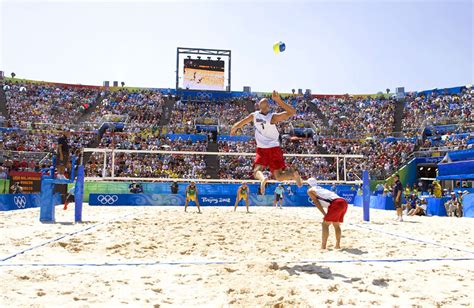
x: 10, y: 202
x: 349, y: 195
x: 376, y: 202
x: 179, y: 200
x: 204, y: 200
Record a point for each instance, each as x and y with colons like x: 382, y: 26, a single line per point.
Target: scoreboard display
x: 204, y: 74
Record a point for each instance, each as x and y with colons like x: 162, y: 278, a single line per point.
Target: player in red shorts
x: 336, y: 209
x: 269, y: 153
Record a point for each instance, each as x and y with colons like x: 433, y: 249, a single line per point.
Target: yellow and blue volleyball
x: 279, y: 47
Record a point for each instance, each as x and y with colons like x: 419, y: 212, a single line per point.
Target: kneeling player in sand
x: 191, y: 195
x: 336, y: 209
x: 242, y: 194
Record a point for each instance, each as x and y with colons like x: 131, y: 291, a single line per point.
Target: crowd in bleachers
x: 146, y: 164
x: 140, y: 109
x: 381, y: 158
x: 438, y: 109
x: 43, y: 111
x: 46, y: 103
x: 33, y: 146
x: 222, y: 114
x: 351, y: 117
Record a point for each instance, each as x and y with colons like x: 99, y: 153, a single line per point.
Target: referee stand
x: 48, y: 182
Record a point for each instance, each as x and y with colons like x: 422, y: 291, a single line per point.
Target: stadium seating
x: 136, y: 119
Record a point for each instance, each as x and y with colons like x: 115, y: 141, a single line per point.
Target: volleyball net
x: 212, y: 167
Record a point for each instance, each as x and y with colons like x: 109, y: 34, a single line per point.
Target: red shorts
x: 336, y: 211
x: 270, y: 157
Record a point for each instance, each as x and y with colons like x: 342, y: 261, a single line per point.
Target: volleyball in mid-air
x: 279, y: 47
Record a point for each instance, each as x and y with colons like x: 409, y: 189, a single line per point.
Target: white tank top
x: 325, y: 196
x: 266, y: 134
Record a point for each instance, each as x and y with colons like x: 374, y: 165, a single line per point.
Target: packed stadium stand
x: 34, y: 115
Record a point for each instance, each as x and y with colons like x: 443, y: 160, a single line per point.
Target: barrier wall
x: 435, y: 206
x: 468, y: 206
x: 234, y: 138
x: 204, y: 189
x: 192, y: 137
x: 459, y: 170
x: 179, y: 200
x: 376, y: 202
x: 9, y: 202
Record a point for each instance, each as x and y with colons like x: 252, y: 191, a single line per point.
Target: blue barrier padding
x: 349, y: 195
x: 463, y: 169
x: 462, y: 155
x: 376, y: 202
x: 468, y: 205
x: 10, y: 202
x: 179, y: 200
x: 234, y: 138
x: 46, y: 206
x: 192, y: 137
x: 229, y: 189
x: 435, y: 206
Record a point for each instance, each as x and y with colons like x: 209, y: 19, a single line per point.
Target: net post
x: 113, y: 164
x: 366, y: 195
x: 79, y: 194
x: 337, y: 168
x: 105, y: 165
x: 345, y: 170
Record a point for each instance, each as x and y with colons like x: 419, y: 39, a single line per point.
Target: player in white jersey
x: 269, y: 153
x: 336, y: 209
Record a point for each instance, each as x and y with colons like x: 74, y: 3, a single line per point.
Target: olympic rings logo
x: 204, y: 95
x: 107, y: 199
x: 19, y: 201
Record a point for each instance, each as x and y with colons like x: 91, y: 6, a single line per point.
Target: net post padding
x: 366, y: 195
x: 113, y: 177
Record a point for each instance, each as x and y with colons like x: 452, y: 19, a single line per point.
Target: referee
x: 397, y: 197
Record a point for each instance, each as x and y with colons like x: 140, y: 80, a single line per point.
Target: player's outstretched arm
x: 241, y: 124
x: 285, y: 115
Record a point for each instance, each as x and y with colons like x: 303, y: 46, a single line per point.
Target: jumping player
x: 269, y: 153
x: 336, y: 209
x: 191, y: 195
x: 242, y: 194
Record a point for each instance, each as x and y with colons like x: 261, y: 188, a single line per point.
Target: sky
x: 333, y: 47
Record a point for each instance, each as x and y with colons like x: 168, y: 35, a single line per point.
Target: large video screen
x: 203, y: 74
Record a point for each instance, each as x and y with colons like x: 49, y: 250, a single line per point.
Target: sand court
x: 163, y: 256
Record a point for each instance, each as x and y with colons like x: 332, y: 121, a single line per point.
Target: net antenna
x: 109, y: 163
x: 183, y: 52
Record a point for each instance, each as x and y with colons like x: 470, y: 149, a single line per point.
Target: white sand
x: 268, y: 246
